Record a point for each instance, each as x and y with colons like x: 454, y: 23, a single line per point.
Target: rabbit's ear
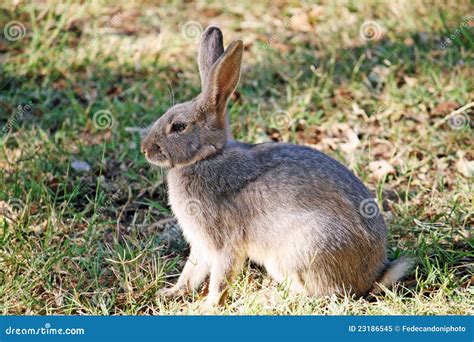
x: 223, y: 79
x: 210, y: 49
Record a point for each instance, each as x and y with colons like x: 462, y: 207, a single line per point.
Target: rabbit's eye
x: 178, y: 127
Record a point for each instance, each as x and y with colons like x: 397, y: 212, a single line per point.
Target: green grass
x: 101, y: 242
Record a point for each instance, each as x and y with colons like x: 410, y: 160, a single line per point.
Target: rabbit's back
x: 291, y: 208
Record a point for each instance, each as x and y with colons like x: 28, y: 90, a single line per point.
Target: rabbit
x: 304, y: 216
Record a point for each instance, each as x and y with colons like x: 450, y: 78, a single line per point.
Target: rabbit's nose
x: 146, y: 147
x: 143, y: 149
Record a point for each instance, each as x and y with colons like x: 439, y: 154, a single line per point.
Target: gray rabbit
x: 302, y: 215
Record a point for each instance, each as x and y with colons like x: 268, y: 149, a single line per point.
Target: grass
x: 89, y: 76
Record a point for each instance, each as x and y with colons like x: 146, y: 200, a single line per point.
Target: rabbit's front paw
x: 171, y: 292
x: 207, y: 307
x: 212, y: 303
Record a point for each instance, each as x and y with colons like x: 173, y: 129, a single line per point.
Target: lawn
x: 384, y: 87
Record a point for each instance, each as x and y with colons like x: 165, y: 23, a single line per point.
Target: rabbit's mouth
x: 163, y: 163
x: 156, y: 156
x: 159, y: 160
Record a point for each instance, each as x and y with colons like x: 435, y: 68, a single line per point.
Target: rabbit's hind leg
x: 297, y: 283
x: 292, y: 279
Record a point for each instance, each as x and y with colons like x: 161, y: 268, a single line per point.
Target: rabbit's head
x: 192, y: 131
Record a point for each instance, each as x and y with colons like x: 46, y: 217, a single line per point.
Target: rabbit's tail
x: 395, y: 271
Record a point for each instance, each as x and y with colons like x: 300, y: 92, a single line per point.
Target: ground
x: 384, y: 87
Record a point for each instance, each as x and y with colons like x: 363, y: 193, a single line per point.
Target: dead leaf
x: 444, y: 108
x: 39, y: 228
x: 60, y: 84
x: 381, y: 149
x: 464, y: 166
x: 211, y: 12
x: 381, y: 168
x: 410, y: 81
x: 353, y: 142
x: 3, y: 46
x: 300, y: 22
x: 280, y: 47
x: 342, y: 93
x: 114, y: 91
x: 316, y: 11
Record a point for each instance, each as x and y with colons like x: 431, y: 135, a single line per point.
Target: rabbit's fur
x: 290, y: 208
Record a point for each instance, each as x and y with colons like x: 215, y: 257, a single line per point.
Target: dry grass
x: 88, y: 242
